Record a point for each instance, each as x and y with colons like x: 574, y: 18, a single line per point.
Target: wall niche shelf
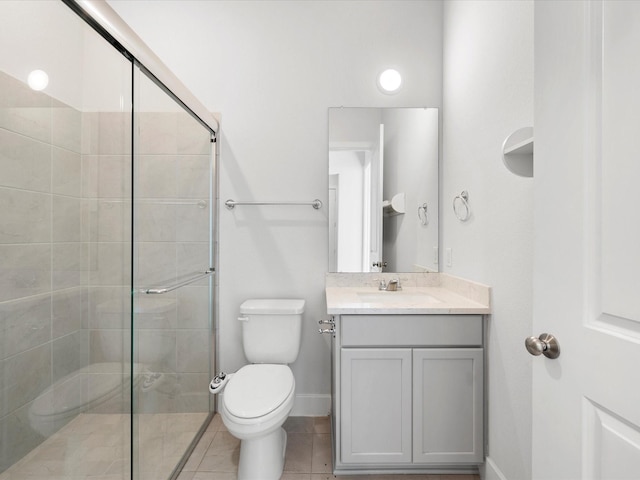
x: 517, y: 152
x: 395, y: 206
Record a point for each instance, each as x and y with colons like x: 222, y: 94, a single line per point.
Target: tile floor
x: 308, y: 455
x: 96, y: 447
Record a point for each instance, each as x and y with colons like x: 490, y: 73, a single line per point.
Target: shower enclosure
x: 107, y: 215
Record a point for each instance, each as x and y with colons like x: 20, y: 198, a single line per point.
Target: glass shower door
x: 172, y: 254
x: 65, y: 243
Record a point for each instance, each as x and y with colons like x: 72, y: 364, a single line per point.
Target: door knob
x: 546, y: 344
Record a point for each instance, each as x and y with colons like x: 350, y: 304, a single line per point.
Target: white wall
x: 272, y: 69
x: 488, y: 93
x: 83, y: 69
x: 411, y: 167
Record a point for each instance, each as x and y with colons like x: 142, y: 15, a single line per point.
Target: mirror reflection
x: 383, y: 189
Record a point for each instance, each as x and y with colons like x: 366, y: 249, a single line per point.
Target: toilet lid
x: 256, y: 390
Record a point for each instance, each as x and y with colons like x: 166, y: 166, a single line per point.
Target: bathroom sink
x: 397, y: 296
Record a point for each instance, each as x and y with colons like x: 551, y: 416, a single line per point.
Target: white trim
x: 350, y: 146
x: 490, y: 471
x: 102, y: 13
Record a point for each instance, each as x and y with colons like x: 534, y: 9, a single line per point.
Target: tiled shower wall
x: 42, y: 281
x: 65, y: 257
x: 172, y: 219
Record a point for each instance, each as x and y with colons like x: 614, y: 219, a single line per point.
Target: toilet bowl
x: 258, y: 398
x: 256, y: 402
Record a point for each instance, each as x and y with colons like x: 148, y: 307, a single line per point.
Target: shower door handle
x: 194, y: 277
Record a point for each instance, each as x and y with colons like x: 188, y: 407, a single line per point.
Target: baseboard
x: 309, y: 405
x: 490, y: 471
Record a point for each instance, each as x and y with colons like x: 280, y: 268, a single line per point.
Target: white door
x: 334, y: 203
x: 586, y: 403
x: 376, y: 196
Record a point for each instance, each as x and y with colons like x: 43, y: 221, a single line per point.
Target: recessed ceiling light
x: 389, y: 81
x: 38, y: 80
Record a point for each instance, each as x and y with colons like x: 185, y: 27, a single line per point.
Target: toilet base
x: 263, y: 458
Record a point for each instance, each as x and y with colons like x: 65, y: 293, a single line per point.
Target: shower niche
x: 517, y: 152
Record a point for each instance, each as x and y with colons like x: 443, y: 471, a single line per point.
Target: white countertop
x: 450, y: 296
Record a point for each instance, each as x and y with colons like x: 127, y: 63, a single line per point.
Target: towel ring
x: 464, y: 200
x: 422, y: 214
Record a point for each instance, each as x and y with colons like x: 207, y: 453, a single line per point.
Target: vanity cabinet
x: 408, y: 393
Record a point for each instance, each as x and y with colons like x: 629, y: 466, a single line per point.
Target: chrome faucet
x: 392, y: 286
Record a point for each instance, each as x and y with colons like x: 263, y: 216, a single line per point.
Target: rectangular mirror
x: 383, y: 189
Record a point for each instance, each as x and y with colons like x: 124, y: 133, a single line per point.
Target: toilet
x: 258, y: 398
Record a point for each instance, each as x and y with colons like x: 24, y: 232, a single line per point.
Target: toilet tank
x: 271, y: 329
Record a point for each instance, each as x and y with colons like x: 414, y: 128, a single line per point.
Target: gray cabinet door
x: 447, y: 405
x: 376, y: 405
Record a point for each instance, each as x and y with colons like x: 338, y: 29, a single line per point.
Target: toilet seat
x: 257, y: 390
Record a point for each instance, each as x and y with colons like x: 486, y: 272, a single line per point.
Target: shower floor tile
x: 97, y: 447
